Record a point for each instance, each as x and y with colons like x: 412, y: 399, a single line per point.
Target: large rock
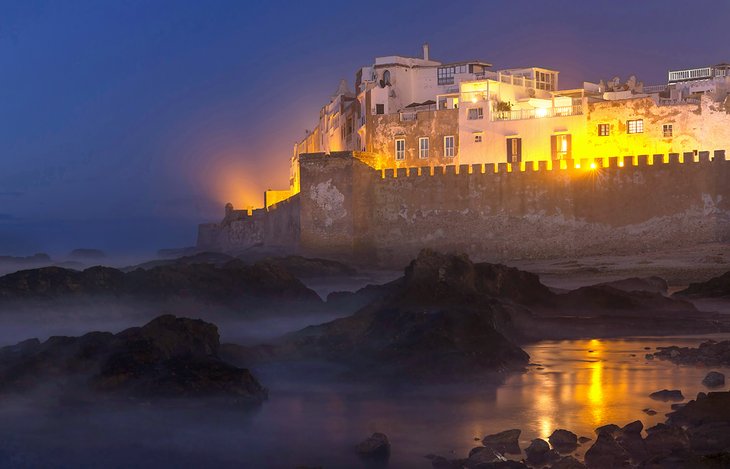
x: 538, y: 451
x: 229, y: 284
x: 376, y: 446
x: 667, y: 395
x: 482, y: 455
x: 715, y: 287
x: 168, y: 357
x: 506, y: 442
x: 606, y: 453
x: 564, y: 441
x: 662, y: 440
x: 629, y: 438
x: 714, y: 379
x: 439, y: 322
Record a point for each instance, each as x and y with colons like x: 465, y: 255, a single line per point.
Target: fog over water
x: 315, y: 421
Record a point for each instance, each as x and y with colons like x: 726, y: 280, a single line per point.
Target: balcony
x: 537, y: 113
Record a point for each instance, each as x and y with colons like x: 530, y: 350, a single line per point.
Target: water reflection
x: 578, y: 385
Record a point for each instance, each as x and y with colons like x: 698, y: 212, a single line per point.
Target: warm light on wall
x: 541, y: 112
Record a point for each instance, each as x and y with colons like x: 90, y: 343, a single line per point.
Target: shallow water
x: 582, y: 384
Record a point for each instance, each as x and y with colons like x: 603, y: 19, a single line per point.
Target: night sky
x: 123, y: 124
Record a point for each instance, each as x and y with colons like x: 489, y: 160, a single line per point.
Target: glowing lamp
x: 620, y: 164
x: 474, y: 99
x: 541, y: 112
x: 593, y: 165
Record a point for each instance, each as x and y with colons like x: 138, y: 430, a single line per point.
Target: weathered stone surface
x: 606, y: 453
x: 168, y: 357
x: 564, y: 441
x: 482, y: 455
x: 537, y: 451
x: 664, y: 439
x: 376, y: 446
x: 506, y: 442
x: 667, y: 395
x: 610, y: 429
x: 714, y: 379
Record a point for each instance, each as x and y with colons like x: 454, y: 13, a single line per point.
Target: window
x: 604, y: 130
x: 560, y: 146
x: 635, y: 126
x: 423, y: 147
x: 475, y: 113
x: 477, y: 138
x: 400, y: 149
x: 445, y: 75
x: 386, y: 77
x: 668, y: 130
x: 514, y: 150
x: 449, y: 146
x: 380, y: 109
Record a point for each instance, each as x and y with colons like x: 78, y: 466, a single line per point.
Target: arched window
x: 386, y: 77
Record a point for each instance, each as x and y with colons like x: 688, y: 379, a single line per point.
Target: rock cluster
x: 169, y: 357
x: 709, y: 353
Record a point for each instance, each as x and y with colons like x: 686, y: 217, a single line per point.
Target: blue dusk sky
x: 123, y: 124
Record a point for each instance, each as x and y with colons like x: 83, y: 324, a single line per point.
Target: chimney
x: 425, y: 51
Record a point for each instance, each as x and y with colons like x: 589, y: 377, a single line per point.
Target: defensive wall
x: 540, y: 209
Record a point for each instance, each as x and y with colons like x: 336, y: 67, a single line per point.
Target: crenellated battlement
x: 579, y: 165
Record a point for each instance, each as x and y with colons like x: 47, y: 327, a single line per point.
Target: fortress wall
x: 281, y: 224
x: 498, y: 211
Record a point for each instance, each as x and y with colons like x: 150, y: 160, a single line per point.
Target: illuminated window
x: 400, y: 149
x: 423, y: 147
x: 475, y: 113
x: 560, y: 146
x: 604, y: 130
x: 514, y: 150
x: 668, y: 130
x: 478, y: 138
x: 635, y: 126
x: 449, y: 146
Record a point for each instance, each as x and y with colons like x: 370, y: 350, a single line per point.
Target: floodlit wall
x: 535, y: 210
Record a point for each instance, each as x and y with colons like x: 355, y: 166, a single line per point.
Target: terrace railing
x: 537, y: 113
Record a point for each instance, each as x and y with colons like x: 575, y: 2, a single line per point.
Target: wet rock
x: 483, y: 455
x: 537, y: 451
x: 663, y: 439
x: 710, y: 437
x: 648, y: 411
x: 584, y: 439
x: 168, y: 357
x: 714, y: 379
x: 667, y: 395
x: 606, y: 453
x: 563, y: 441
x: 712, y: 407
x: 376, y: 446
x: 708, y: 353
x: 506, y: 442
x: 609, y: 429
x: 677, y: 406
x: 568, y: 462
x: 649, y: 356
x: 629, y: 438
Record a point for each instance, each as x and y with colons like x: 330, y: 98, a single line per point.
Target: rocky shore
x: 169, y: 357
x: 695, y: 436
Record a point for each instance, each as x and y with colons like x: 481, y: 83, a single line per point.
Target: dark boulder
x: 715, y: 287
x: 664, y: 439
x: 629, y: 438
x: 168, y: 357
x: 714, y: 379
x: 506, y: 442
x: 376, y: 446
x: 564, y: 441
x: 707, y: 408
x: 481, y: 455
x: 667, y: 395
x: 709, y: 353
x: 609, y: 429
x: 606, y: 453
x: 537, y: 451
